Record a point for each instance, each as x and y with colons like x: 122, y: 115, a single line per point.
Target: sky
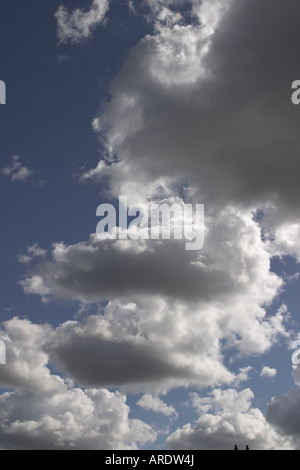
x: 116, y: 343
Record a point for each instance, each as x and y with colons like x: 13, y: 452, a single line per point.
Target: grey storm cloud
x: 106, y: 271
x: 283, y: 412
x: 125, y: 347
x: 232, y: 128
x: 233, y: 259
x: 96, y: 361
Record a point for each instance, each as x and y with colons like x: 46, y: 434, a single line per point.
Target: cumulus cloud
x: 27, y: 362
x: 69, y: 420
x: 234, y: 260
x: 200, y: 300
x: 213, y: 115
x: 223, y: 431
x: 150, y: 345
x: 149, y: 402
x: 218, y: 400
x: 233, y: 423
x: 154, y: 345
x: 268, y: 372
x: 79, y: 25
x: 46, y: 411
x: 200, y: 111
x: 283, y: 236
x: 197, y: 106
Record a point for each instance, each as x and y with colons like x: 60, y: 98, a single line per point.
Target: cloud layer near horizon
x: 50, y: 412
x: 45, y: 411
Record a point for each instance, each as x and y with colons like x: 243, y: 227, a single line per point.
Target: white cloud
x: 47, y: 412
x: 200, y: 300
x: 33, y: 251
x: 181, y: 109
x: 16, y: 171
x: 219, y: 294
x: 223, y: 431
x: 210, y: 13
x: 234, y: 423
x: 35, y: 285
x: 268, y: 372
x: 197, y: 109
x: 150, y: 345
x: 152, y: 403
x: 27, y: 362
x: 243, y: 375
x: 234, y: 262
x: 229, y: 400
x: 197, y: 106
x: 283, y: 237
x: 78, y: 25
x: 154, y: 344
x: 71, y: 419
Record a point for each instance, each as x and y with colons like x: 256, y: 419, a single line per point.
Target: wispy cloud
x: 78, y: 25
x: 149, y: 402
x: 18, y: 172
x: 33, y: 251
x: 63, y: 58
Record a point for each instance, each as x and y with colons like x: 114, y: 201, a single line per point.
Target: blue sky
x: 134, y: 345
